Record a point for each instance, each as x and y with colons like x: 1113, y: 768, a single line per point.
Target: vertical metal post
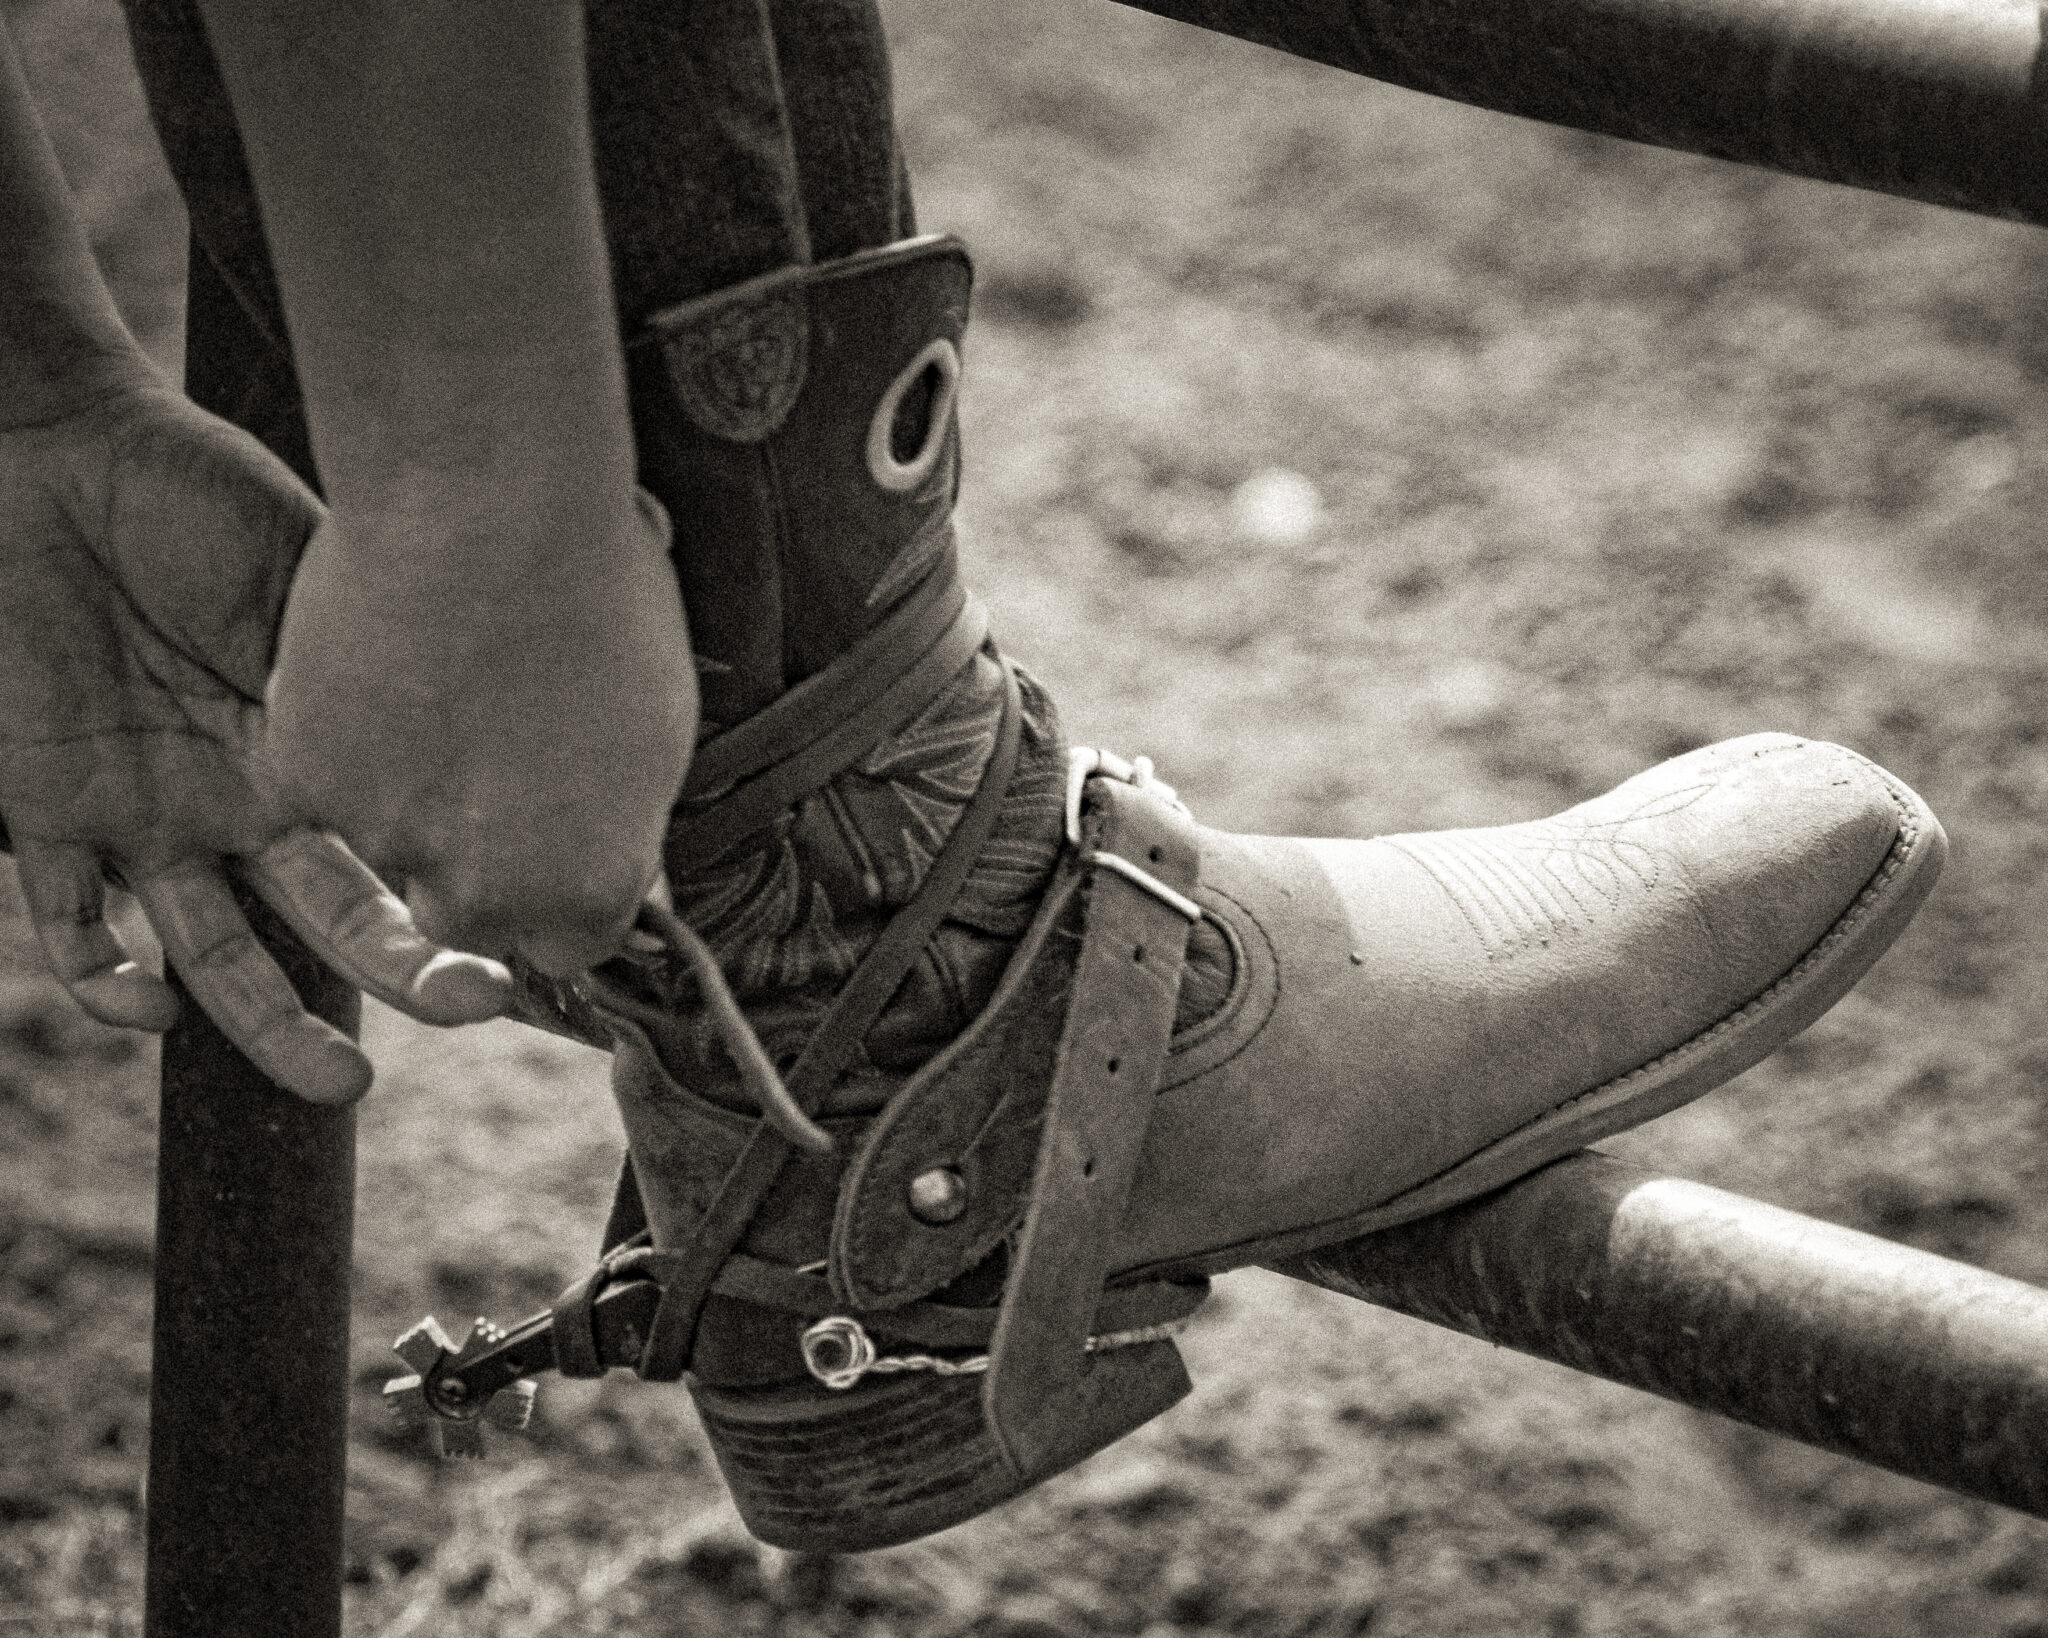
x: 249, y: 1370
x: 248, y: 1443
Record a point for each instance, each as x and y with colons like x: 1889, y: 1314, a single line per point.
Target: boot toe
x: 1450, y: 1010
x: 1617, y: 931
x: 1742, y: 855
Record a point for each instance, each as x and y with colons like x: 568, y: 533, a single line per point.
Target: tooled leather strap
x: 1146, y: 858
x: 829, y: 1052
x: 830, y: 721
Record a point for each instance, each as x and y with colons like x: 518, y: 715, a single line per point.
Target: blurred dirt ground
x: 1373, y: 464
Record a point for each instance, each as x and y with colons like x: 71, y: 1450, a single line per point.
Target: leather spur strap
x: 689, y: 1270
x: 1143, y: 856
x: 824, y: 725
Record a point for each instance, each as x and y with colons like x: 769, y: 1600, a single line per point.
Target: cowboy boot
x: 1046, y: 1051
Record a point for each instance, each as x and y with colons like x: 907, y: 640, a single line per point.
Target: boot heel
x: 896, y: 1458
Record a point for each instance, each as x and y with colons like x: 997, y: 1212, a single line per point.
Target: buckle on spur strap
x: 1085, y: 763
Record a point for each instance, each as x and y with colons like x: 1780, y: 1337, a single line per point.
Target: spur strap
x: 830, y: 1051
x: 747, y: 776
x: 1144, y: 859
x: 582, y: 1349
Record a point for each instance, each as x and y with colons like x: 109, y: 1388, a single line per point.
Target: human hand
x: 145, y: 552
x: 503, y: 742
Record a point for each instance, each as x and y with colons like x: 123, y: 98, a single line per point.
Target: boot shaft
x: 800, y: 428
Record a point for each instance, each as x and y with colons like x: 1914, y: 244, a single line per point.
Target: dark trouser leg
x: 696, y: 167
x: 732, y: 137
x: 836, y: 83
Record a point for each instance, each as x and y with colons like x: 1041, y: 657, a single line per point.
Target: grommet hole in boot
x: 910, y: 425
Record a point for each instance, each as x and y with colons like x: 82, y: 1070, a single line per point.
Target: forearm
x: 427, y: 194
x: 62, y: 342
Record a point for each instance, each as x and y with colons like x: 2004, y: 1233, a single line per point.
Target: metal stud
x: 938, y: 1196
x: 837, y: 1351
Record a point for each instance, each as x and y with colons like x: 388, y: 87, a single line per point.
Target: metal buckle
x: 1085, y: 763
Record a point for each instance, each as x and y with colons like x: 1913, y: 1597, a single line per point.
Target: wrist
x: 461, y: 576
x: 529, y: 429
x: 57, y: 363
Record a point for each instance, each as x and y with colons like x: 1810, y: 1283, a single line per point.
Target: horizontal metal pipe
x: 1894, y: 1356
x: 1942, y: 100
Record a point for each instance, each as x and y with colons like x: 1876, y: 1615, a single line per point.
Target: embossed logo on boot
x: 737, y: 368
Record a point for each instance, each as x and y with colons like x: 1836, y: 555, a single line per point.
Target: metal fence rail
x: 1942, y: 100
x: 248, y: 1391
x: 248, y: 1394
x: 1902, y: 1359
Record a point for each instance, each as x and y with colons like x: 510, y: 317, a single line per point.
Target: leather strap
x: 581, y: 1351
x: 976, y: 1109
x: 1111, y: 1052
x: 754, y: 803
x: 828, y: 1054
x: 572, y: 1325
x: 843, y: 689
x: 946, y: 1325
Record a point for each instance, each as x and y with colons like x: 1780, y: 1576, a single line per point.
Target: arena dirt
x: 1589, y: 454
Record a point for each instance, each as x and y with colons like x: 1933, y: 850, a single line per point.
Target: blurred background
x: 1373, y: 464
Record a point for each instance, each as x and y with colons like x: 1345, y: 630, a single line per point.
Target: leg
x: 876, y: 845
x: 1060, y: 1034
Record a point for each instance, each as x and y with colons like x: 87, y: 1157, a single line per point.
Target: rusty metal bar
x: 1941, y: 100
x: 1873, y: 1350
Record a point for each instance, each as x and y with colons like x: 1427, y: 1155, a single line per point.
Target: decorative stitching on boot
x: 789, y: 917
x: 1250, y: 994
x: 1532, y: 883
x: 701, y: 1251
x: 1903, y: 847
